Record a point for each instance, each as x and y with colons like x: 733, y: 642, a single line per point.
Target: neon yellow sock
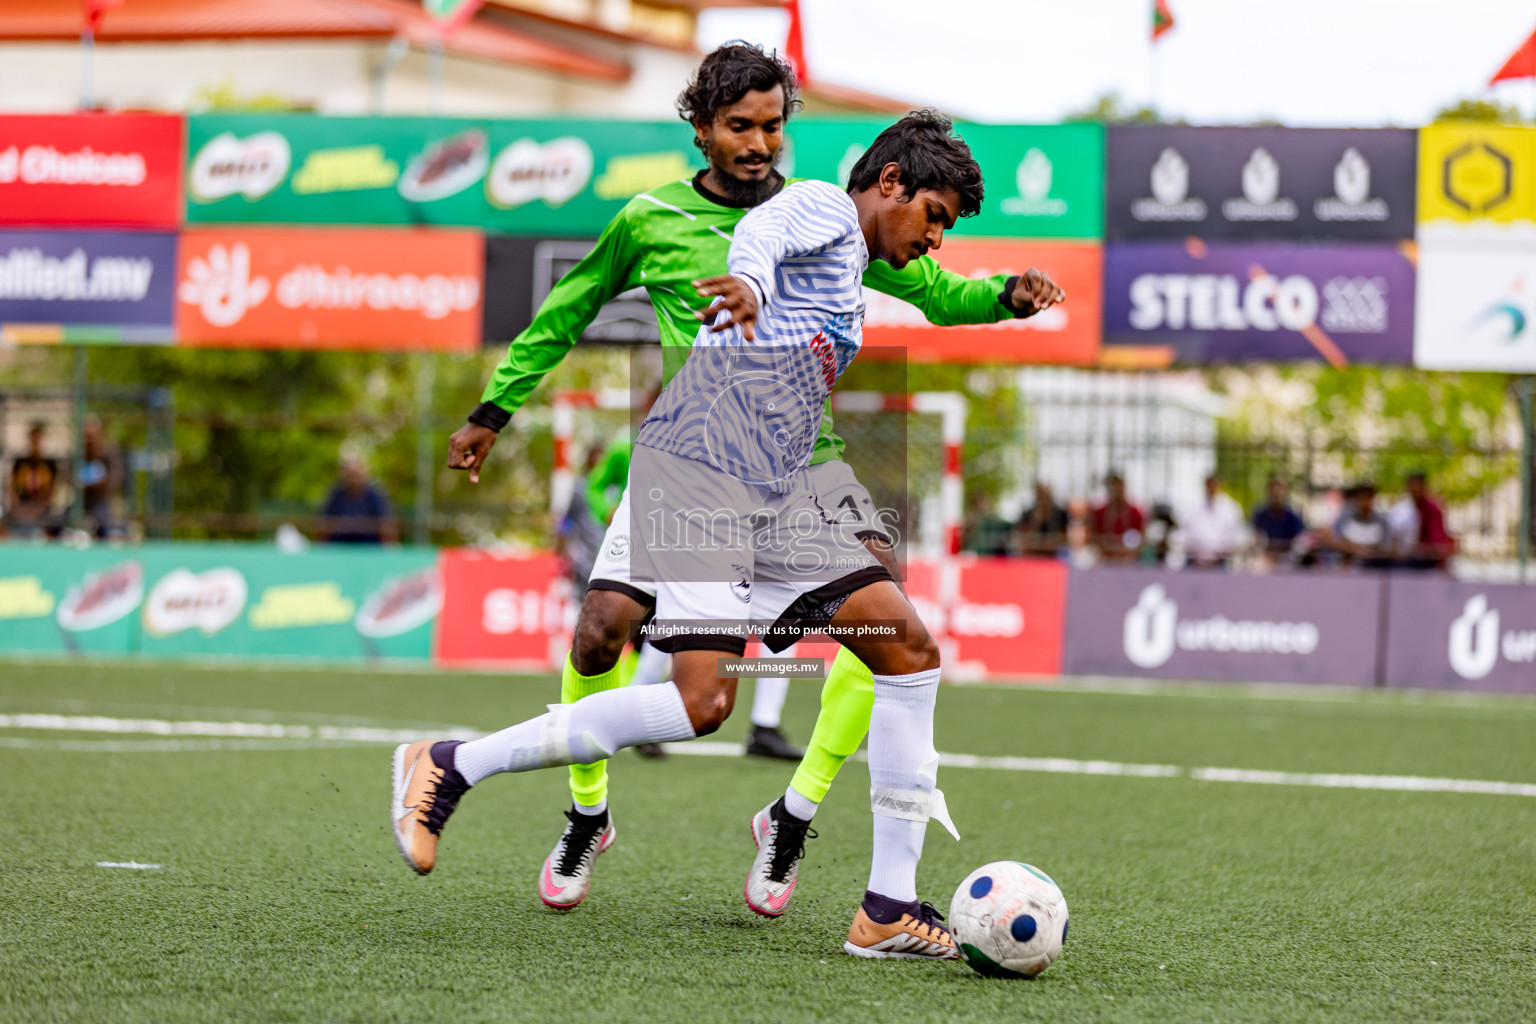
x: 628, y: 662
x: 847, y: 698
x: 589, y: 782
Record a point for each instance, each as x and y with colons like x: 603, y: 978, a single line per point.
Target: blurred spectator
x: 1360, y: 535
x: 1213, y: 527
x: 1043, y: 528
x: 1117, y: 524
x: 357, y: 512
x: 1418, y: 528
x: 1276, y: 524
x: 101, y: 480
x: 1080, y: 531
x: 34, y: 478
x: 579, y: 534
x: 1164, y: 542
x: 987, y: 533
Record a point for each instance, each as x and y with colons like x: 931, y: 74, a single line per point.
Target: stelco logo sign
x: 1475, y: 641
x: 1223, y: 302
x: 1154, y: 631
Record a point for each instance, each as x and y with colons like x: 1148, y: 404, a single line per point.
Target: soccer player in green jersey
x: 665, y: 240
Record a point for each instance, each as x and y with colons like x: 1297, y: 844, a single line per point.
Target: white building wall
x: 331, y: 76
x: 1158, y: 430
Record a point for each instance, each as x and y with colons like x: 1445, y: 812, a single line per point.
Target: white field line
x: 127, y: 864
x: 314, y: 734
x: 234, y: 730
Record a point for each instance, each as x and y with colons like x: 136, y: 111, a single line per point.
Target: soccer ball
x: 1009, y: 920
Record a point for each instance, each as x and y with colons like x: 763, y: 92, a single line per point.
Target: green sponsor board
x: 1043, y: 181
x: 519, y: 177
x: 248, y: 601
x: 569, y: 177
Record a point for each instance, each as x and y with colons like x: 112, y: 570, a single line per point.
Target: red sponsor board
x: 321, y: 288
x: 515, y: 611
x: 95, y: 169
x: 1068, y: 333
x: 1004, y: 619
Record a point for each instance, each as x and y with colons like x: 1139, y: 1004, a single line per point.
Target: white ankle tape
x: 912, y: 805
x: 555, y: 735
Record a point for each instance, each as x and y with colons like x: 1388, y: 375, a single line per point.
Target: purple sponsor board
x: 1450, y: 635
x: 1228, y: 301
x: 88, y: 285
x: 1334, y: 183
x: 1211, y: 625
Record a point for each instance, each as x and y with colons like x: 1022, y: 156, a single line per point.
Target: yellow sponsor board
x: 1477, y: 173
x: 302, y: 604
x: 23, y: 597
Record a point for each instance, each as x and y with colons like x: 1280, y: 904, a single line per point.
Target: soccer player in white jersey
x: 725, y: 523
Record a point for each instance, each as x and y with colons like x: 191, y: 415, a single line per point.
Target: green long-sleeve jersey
x: 673, y: 235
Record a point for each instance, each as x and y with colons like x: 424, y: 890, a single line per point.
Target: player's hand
x: 733, y: 295
x: 468, y: 448
x: 1035, y: 291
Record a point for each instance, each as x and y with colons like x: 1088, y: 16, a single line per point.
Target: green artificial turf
x: 281, y: 896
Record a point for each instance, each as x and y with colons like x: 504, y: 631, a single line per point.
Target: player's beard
x: 748, y: 192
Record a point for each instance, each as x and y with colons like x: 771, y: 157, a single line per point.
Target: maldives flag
x: 450, y: 15
x: 1522, y: 64
x: 794, y: 43
x: 95, y: 10
x: 1162, y: 19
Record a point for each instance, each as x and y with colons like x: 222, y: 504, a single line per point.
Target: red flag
x: 1522, y: 64
x: 1162, y: 19
x: 450, y: 15
x: 794, y: 44
x: 95, y: 10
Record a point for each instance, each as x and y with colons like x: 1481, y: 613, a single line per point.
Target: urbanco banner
x: 1198, y: 302
x: 1218, y: 626
x: 1042, y: 181
x: 100, y: 170
x: 330, y: 288
x: 1291, y: 183
x: 87, y: 286
x: 1445, y: 634
x: 1066, y: 333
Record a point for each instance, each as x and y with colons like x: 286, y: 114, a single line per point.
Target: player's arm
x: 948, y: 299
x: 571, y: 306
x: 605, y: 485
x: 800, y: 220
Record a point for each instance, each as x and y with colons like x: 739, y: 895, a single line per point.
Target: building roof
x: 188, y: 20
x: 835, y: 98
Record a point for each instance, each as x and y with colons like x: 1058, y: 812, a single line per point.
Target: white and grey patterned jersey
x: 753, y: 408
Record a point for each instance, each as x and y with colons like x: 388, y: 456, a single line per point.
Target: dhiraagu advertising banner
x: 520, y: 177
x: 1043, y: 181
x: 249, y: 601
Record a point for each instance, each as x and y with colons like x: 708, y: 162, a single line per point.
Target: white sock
x: 768, y: 702
x: 800, y: 805
x: 652, y: 668
x: 580, y: 733
x: 902, y: 760
x: 598, y: 808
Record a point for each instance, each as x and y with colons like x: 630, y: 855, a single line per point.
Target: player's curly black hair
x: 729, y: 73
x: 931, y: 156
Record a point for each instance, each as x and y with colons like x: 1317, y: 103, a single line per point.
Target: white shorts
x: 837, y: 491
x: 728, y: 560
